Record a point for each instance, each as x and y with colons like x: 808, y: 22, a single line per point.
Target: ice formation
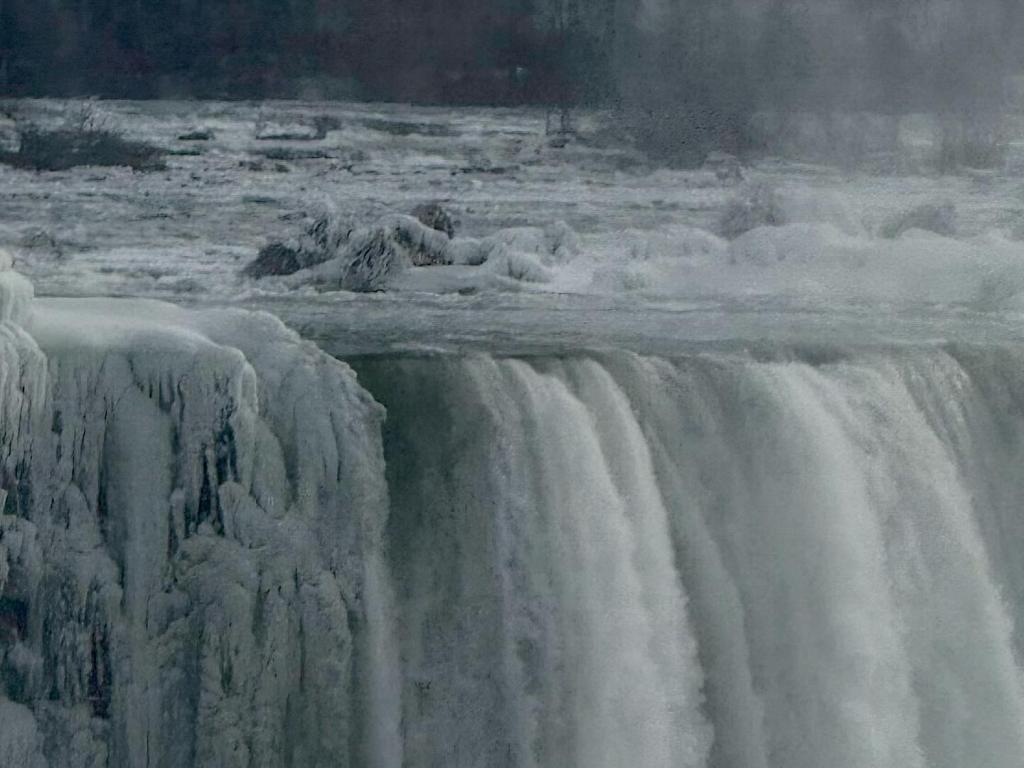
x: 393, y: 252
x: 790, y: 245
x: 189, y: 545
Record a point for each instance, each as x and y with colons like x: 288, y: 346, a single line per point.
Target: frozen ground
x: 634, y: 237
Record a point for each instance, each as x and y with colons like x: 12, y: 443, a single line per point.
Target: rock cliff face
x: 192, y: 511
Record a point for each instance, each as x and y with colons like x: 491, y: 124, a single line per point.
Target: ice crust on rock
x: 389, y: 254
x: 322, y: 240
x: 192, y: 501
x: 367, y: 259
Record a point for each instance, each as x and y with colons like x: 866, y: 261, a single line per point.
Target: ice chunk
x: 325, y: 236
x: 372, y: 257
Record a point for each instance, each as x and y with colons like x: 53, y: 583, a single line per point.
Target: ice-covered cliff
x: 189, y: 546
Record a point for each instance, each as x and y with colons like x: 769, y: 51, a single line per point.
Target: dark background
x: 691, y: 72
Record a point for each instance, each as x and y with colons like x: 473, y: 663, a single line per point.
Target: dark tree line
x: 489, y: 51
x: 688, y: 73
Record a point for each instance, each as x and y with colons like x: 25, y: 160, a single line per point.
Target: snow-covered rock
x: 389, y: 255
x: 555, y: 243
x: 522, y: 267
x: 322, y: 240
x: 192, y: 510
x: 371, y: 257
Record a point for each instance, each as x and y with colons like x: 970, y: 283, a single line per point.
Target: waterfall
x: 716, y: 560
x: 541, y: 616
x: 218, y: 549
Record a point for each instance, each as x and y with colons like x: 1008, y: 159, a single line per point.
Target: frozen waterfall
x: 190, y: 543
x: 218, y: 549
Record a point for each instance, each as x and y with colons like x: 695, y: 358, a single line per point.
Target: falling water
x: 716, y: 560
